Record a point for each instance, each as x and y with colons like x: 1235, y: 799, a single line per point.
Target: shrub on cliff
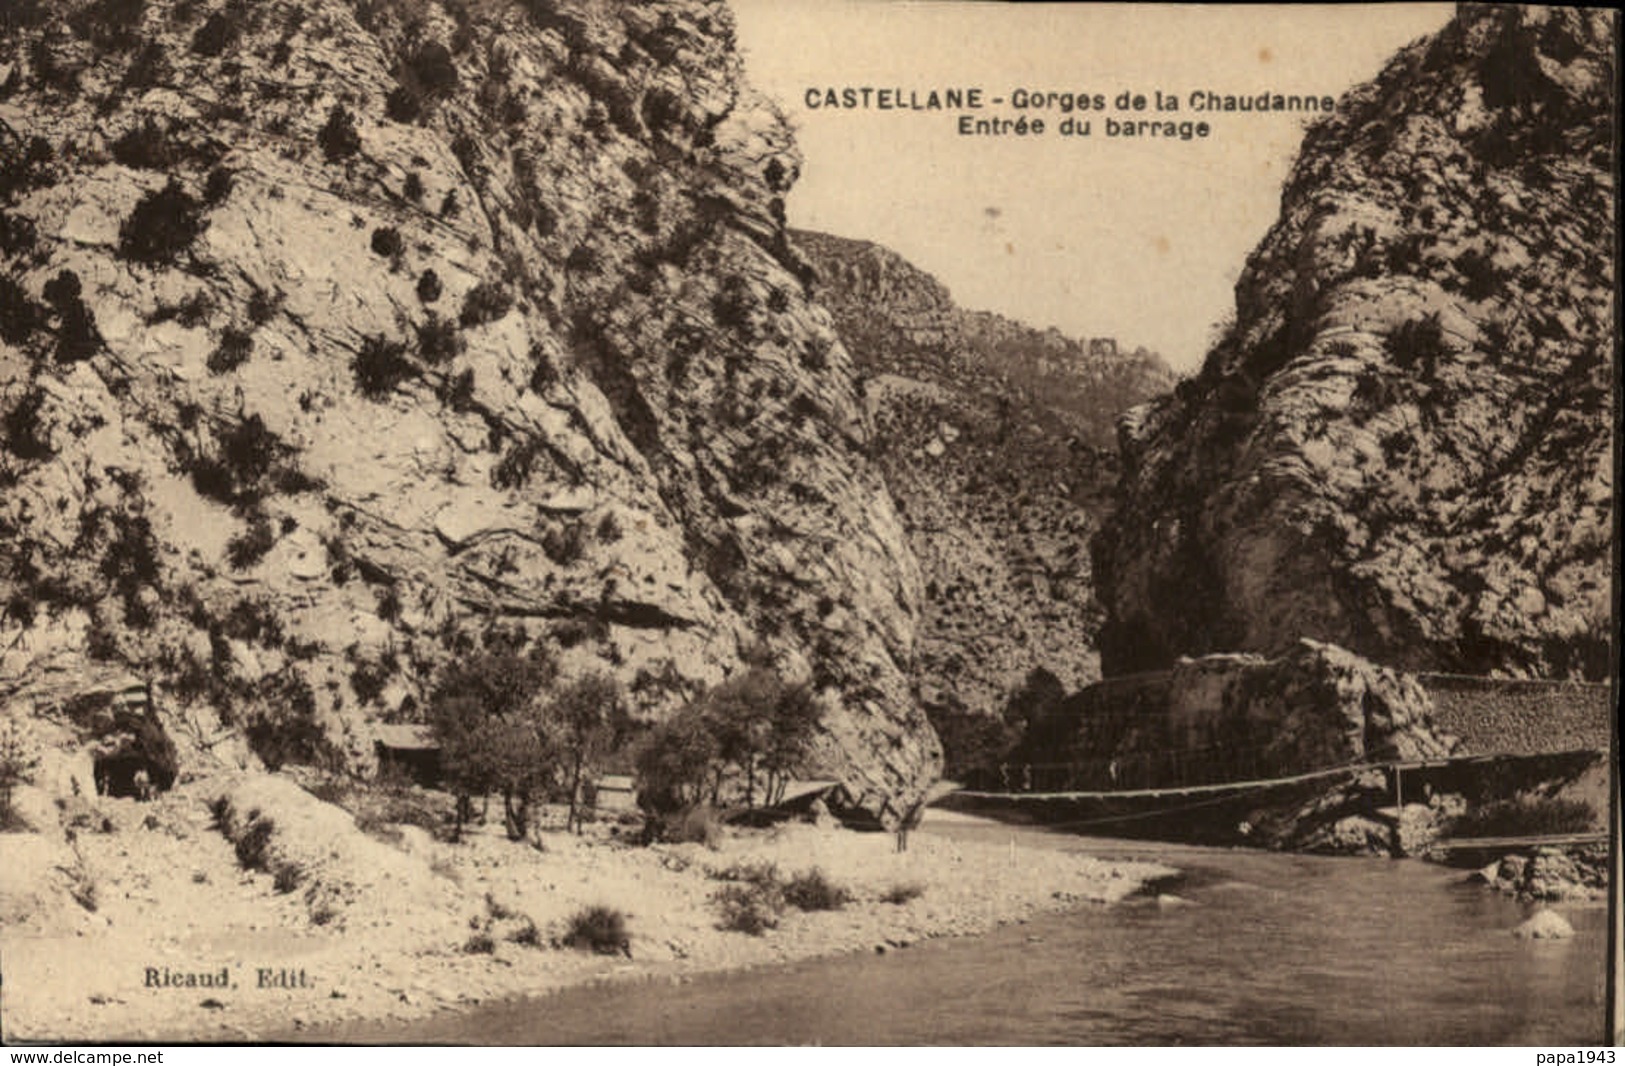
x: 284, y: 729
x: 20, y: 316
x: 254, y: 843
x: 338, y: 137
x: 219, y: 31
x: 145, y: 147
x: 163, y: 225
x: 438, y: 340
x: 379, y: 365
x: 485, y: 302
x: 217, y: 186
x: 21, y: 431
x: 30, y: 168
x: 232, y: 352
x: 386, y: 241
x: 250, y: 546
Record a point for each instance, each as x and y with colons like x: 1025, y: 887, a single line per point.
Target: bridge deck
x: 1174, y: 790
x: 1258, y: 784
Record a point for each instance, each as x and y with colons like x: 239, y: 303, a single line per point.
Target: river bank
x: 1259, y: 948
x: 147, y: 926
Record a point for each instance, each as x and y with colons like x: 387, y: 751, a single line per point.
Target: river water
x: 1266, y: 949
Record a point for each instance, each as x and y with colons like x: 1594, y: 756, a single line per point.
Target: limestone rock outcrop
x: 1404, y: 442
x: 1239, y: 717
x: 336, y: 338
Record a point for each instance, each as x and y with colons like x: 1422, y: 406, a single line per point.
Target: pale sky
x: 1137, y: 239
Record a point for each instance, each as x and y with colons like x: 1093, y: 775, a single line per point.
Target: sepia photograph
x: 808, y: 522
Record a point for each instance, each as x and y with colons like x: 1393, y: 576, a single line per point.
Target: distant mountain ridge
x: 921, y: 333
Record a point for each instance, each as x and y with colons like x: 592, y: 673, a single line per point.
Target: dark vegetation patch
x: 163, y: 225
x: 484, y: 303
x: 599, y: 929
x: 233, y: 351
x: 379, y: 365
x: 1543, y: 816
x: 338, y: 137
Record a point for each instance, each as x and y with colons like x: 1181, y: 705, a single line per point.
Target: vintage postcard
x: 779, y: 522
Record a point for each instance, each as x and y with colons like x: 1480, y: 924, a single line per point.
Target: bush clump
x: 1527, y: 817
x: 253, y: 544
x: 1418, y: 342
x: 338, y: 137
x: 429, y: 287
x: 288, y: 877
x: 749, y: 908
x: 379, y: 365
x: 812, y: 891
x: 145, y: 147
x: 232, y: 352
x: 900, y: 894
x: 219, y: 32
x: 480, y: 944
x: 20, y: 315
x: 438, y: 340
x: 386, y: 241
x: 599, y: 929
x: 565, y: 546
x: 77, y: 337
x: 163, y: 225
x: 251, y: 847
x: 514, y: 469
x: 485, y: 302
x: 403, y: 105
x: 21, y: 431
x: 217, y: 186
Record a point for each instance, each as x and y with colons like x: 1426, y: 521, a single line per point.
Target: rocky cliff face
x: 334, y: 337
x: 995, y: 441
x: 1403, y: 445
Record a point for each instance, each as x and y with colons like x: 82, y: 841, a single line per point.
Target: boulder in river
x: 1544, y: 925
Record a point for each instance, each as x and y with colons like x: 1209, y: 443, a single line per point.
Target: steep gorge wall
x: 1404, y: 443
x: 995, y: 442
x: 338, y: 335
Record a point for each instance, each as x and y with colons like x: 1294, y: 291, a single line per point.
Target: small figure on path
x: 143, y: 786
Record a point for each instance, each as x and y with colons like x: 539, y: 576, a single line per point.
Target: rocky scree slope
x: 1403, y: 445
x: 995, y: 440
x: 335, y: 335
